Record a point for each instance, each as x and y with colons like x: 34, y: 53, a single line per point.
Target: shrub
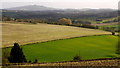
x: 77, y: 58
x: 113, y: 33
x: 36, y: 61
x: 29, y: 61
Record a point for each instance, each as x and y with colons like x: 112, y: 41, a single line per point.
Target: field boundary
x: 70, y: 63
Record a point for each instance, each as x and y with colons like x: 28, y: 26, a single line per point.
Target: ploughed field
x: 90, y: 47
x: 105, y: 63
x: 32, y: 33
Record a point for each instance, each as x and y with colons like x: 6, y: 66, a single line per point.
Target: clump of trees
x: 5, y: 18
x: 80, y: 22
x: 89, y: 26
x: 17, y: 55
x: 64, y: 21
x: 32, y: 21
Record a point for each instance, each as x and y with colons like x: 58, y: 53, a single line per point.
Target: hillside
x: 31, y: 33
x: 89, y: 47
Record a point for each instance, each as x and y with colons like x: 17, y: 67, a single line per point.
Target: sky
x: 76, y: 4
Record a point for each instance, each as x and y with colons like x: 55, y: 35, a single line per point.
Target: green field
x: 91, y: 47
x: 109, y: 27
x: 114, y: 26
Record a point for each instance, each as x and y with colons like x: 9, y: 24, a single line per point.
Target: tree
x: 113, y: 33
x: 16, y: 54
x: 65, y: 21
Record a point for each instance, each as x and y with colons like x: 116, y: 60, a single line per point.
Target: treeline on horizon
x: 71, y: 18
x: 54, y: 16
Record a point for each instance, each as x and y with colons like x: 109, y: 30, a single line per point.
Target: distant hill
x: 31, y: 8
x: 49, y: 14
x: 44, y: 8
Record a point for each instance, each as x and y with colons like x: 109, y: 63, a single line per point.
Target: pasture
x: 91, y: 47
x: 32, y: 33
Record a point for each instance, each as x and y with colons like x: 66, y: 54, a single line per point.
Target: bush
x: 36, y: 61
x: 77, y: 58
x: 113, y: 33
x: 29, y: 61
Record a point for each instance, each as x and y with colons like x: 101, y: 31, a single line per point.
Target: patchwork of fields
x: 91, y: 47
x: 31, y: 33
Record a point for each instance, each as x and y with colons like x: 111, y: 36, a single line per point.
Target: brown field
x: 31, y: 33
x: 82, y: 63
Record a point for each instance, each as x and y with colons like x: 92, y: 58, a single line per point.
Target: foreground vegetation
x: 32, y: 33
x: 91, y: 47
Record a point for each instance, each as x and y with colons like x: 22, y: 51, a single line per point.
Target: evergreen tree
x: 16, y: 54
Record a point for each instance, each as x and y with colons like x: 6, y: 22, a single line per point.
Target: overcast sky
x: 78, y: 4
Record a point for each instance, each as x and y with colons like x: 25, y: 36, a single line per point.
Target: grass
x: 91, y: 47
x: 114, y: 26
x: 32, y: 33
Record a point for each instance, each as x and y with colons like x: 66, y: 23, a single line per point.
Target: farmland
x: 37, y: 36
x: 32, y: 33
x: 91, y: 47
x: 109, y: 27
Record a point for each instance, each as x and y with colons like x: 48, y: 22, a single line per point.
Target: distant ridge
x: 31, y: 8
x: 44, y: 8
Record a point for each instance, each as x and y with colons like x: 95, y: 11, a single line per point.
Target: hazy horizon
x: 55, y: 7
x: 95, y: 4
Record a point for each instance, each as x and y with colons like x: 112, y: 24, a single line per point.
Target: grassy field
x: 114, y: 26
x: 31, y: 33
x: 91, y: 47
